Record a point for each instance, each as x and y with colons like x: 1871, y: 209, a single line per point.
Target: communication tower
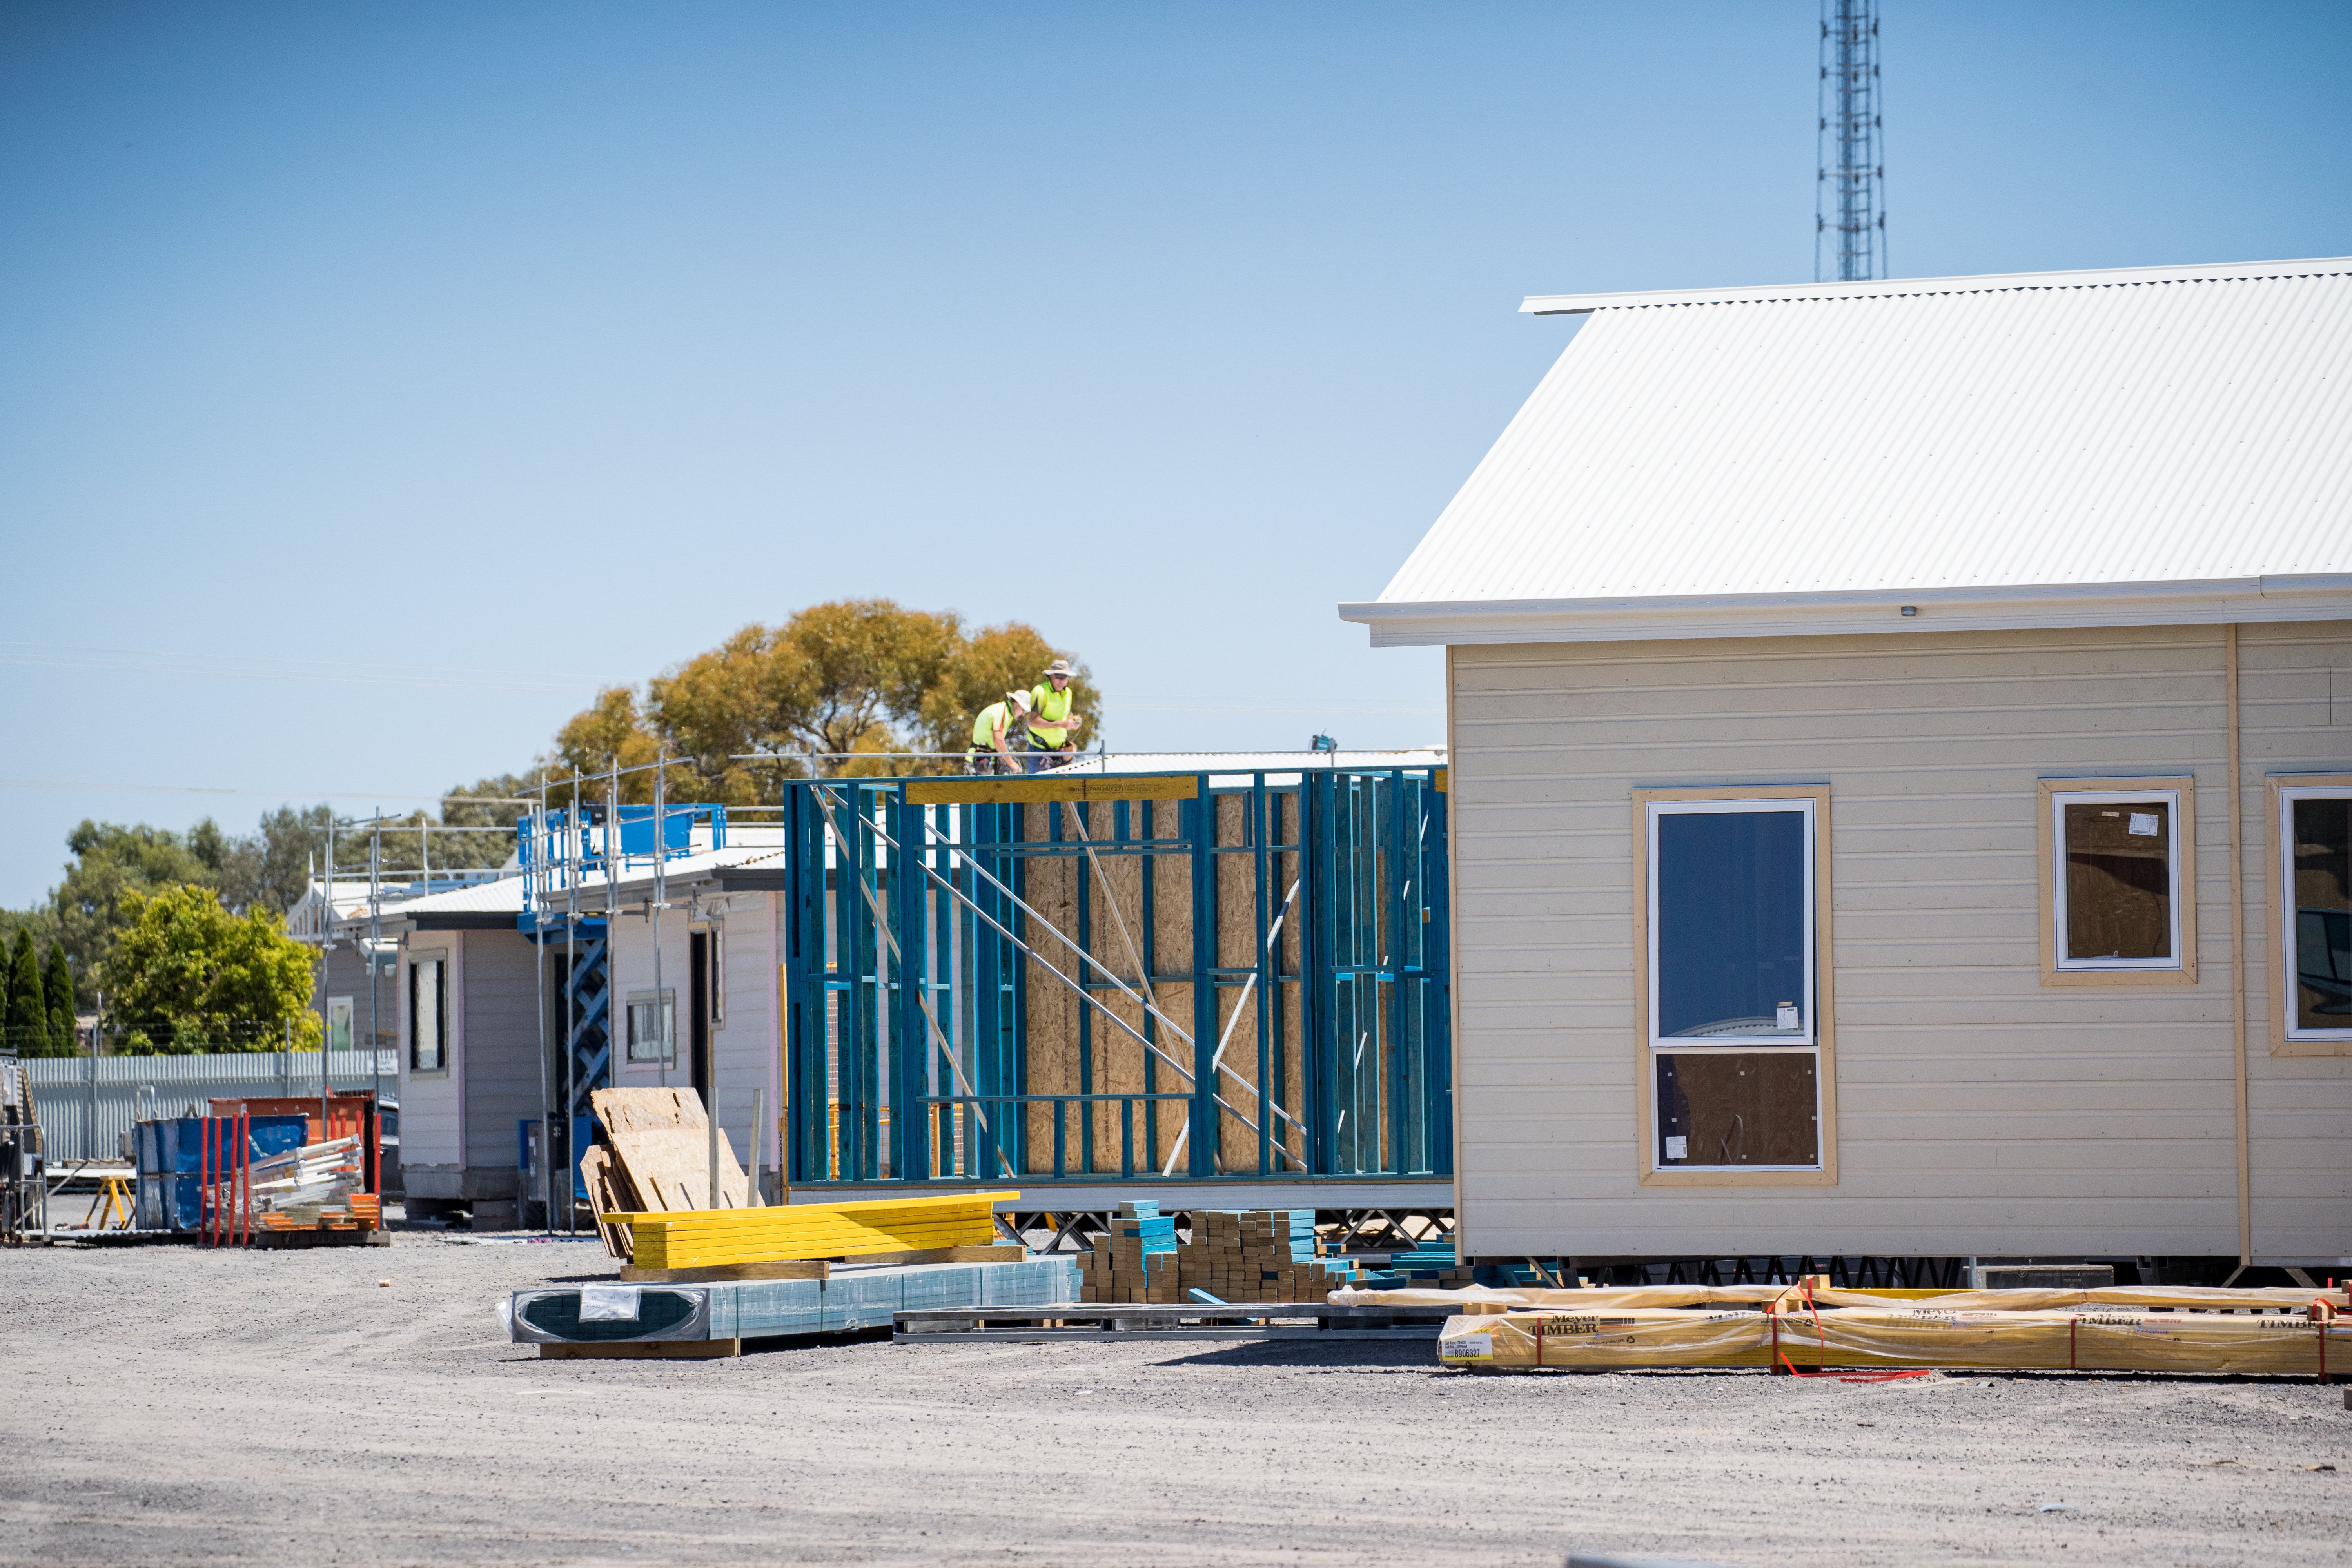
x: 1850, y: 199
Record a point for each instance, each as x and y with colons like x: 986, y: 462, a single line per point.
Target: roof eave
x: 1890, y: 288
x: 2315, y: 596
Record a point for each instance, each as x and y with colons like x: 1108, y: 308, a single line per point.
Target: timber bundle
x: 1809, y: 1328
x: 1234, y: 1255
x: 659, y: 1157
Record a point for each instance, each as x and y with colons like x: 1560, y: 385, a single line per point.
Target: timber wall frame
x: 929, y: 1039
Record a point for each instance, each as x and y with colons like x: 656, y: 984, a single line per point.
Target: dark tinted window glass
x: 2119, y: 880
x: 1731, y: 924
x: 2323, y: 913
x: 1748, y: 1107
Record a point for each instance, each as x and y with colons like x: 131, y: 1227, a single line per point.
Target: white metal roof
x: 2140, y: 445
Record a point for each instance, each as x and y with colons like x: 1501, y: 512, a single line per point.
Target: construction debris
x: 316, y: 1187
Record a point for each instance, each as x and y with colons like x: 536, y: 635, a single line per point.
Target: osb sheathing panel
x: 1051, y: 888
x: 1115, y: 881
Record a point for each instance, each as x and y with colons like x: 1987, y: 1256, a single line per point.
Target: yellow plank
x: 1089, y: 786
x: 1440, y: 777
x: 651, y: 1253
x: 860, y: 1207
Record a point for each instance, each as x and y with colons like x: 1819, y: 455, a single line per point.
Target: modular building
x: 1900, y: 740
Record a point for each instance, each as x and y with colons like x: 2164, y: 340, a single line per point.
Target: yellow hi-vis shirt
x: 983, y: 729
x: 1049, y: 709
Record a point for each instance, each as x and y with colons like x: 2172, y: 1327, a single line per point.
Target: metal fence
x: 86, y: 1103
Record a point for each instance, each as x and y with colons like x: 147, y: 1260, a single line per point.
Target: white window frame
x: 2287, y: 1036
x: 1818, y: 1039
x: 350, y: 1025
x: 2177, y: 802
x: 665, y: 1003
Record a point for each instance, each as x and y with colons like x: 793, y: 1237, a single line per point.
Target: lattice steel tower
x: 1850, y: 199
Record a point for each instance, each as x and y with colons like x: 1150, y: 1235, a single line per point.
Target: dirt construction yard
x: 167, y: 1404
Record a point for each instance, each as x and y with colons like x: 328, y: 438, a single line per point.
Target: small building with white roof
x: 1900, y: 740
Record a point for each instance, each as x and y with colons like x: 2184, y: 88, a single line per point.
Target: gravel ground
x: 170, y: 1405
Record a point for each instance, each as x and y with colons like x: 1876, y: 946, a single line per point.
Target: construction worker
x: 996, y: 734
x: 1052, y: 720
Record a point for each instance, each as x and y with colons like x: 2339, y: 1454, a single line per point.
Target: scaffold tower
x: 1850, y: 199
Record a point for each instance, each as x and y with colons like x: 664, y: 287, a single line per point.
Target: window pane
x: 1747, y: 1108
x: 1730, y: 941
x: 425, y: 1015
x: 2323, y: 914
x: 2118, y: 879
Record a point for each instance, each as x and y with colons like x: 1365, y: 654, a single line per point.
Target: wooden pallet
x: 1320, y: 1324
x: 291, y: 1240
x: 644, y: 1350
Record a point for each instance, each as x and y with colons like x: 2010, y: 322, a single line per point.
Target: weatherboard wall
x: 1977, y: 1110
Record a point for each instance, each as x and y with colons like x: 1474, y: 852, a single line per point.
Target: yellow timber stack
x: 705, y: 1238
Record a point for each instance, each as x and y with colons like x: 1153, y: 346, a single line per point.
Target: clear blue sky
x: 377, y: 380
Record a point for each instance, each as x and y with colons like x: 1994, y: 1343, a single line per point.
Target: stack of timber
x: 1258, y: 1255
x: 1239, y: 1255
x: 1135, y: 1260
x: 656, y: 1160
x: 1808, y: 1327
x: 750, y: 1242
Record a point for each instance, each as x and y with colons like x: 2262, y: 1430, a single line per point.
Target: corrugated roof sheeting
x: 2136, y: 433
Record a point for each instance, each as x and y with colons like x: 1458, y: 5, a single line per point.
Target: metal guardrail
x: 86, y: 1103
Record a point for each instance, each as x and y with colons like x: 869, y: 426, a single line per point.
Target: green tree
x: 28, y: 1013
x: 269, y: 868
x: 56, y: 981
x: 834, y: 680
x: 989, y: 663
x: 111, y: 863
x: 186, y: 975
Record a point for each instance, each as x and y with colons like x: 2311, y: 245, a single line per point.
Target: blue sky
x: 376, y: 381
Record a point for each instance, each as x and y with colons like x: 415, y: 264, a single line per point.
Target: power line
x: 265, y: 794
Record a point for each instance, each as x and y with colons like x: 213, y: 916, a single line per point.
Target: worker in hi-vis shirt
x: 1051, y: 720
x: 997, y: 743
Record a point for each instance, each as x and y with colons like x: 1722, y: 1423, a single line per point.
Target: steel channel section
x: 1198, y: 816
x: 1369, y: 854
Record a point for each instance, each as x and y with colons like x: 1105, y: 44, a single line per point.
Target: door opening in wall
x: 698, y: 1012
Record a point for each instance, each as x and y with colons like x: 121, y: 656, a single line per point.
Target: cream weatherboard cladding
x: 1977, y: 1110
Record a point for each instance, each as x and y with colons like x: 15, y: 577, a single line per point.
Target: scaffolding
x: 1118, y: 978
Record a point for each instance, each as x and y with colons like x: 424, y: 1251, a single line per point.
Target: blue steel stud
x: 909, y: 1119
x: 1200, y: 818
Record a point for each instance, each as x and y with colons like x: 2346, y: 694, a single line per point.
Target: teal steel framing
x: 905, y: 946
